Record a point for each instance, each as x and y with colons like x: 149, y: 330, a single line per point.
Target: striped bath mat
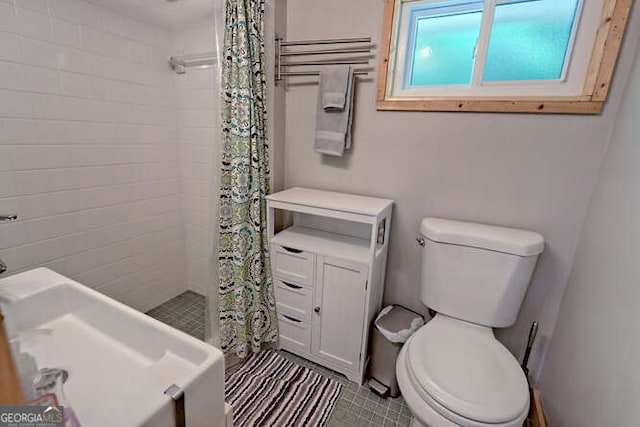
x: 269, y: 390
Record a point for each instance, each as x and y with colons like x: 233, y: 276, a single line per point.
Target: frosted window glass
x: 443, y: 50
x: 530, y: 40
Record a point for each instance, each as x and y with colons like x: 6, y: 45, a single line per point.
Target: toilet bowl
x: 453, y: 371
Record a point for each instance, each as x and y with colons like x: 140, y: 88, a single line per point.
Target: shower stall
x: 109, y: 138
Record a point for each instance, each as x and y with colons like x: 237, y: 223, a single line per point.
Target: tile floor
x: 184, y: 312
x: 357, y: 406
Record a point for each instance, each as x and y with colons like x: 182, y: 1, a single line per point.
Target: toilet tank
x: 475, y: 272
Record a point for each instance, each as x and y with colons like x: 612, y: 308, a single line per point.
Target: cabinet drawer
x: 295, y: 334
x: 293, y: 299
x: 293, y: 265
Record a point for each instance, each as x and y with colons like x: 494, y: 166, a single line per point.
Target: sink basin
x: 119, y: 360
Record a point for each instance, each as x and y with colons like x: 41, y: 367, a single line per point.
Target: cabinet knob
x: 317, y: 309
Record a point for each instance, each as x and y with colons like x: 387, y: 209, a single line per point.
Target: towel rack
x: 335, y: 54
x: 329, y: 52
x: 179, y: 64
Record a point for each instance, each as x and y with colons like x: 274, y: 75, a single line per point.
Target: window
x: 499, y: 55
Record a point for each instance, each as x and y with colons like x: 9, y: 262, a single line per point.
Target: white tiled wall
x: 89, y: 149
x: 196, y: 95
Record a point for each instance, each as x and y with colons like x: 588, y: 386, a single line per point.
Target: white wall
x: 89, y: 149
x: 197, y: 95
x: 590, y: 375
x: 529, y: 171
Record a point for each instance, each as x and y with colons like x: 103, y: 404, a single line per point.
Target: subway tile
x: 13, y: 76
x: 66, y: 33
x: 63, y: 179
x: 64, y: 201
x: 40, y: 229
x: 12, y: 235
x: 40, y: 53
x: 113, y: 23
x: 89, y: 150
x: 80, y: 133
x: 116, y: 46
x: 25, y: 157
x: 196, y: 118
x: 10, y: 47
x: 76, y: 11
x: 70, y: 59
x: 196, y: 99
x: 56, y: 156
x: 8, y: 20
x: 139, y: 52
x: 58, y: 247
x: 52, y: 132
x: 122, y: 70
x: 93, y: 40
x: 77, y: 109
x: 10, y: 205
x: 19, y: 131
x: 105, y: 133
x: 34, y: 24
x: 97, y: 65
x: 7, y: 187
x: 37, y: 5
x: 6, y: 158
x: 72, y: 84
x: 48, y: 107
x: 15, y: 104
x: 99, y: 88
x: 17, y: 258
x: 43, y: 80
x: 33, y: 206
x: 30, y: 182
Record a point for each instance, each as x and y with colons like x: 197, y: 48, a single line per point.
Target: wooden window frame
x: 604, y: 55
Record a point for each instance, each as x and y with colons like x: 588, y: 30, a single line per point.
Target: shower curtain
x: 246, y: 299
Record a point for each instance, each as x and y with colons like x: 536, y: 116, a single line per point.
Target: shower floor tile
x: 356, y: 406
x: 185, y: 312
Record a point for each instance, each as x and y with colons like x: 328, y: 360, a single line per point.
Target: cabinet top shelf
x: 362, y: 205
x: 325, y: 243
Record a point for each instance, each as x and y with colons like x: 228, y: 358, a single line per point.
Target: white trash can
x: 392, y: 328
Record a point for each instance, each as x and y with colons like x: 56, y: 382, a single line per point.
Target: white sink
x: 119, y: 360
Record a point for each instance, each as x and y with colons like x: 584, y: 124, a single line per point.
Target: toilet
x: 453, y: 371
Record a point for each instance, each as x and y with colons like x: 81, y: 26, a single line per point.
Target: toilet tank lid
x: 500, y: 239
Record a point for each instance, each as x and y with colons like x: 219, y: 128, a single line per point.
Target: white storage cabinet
x: 328, y: 270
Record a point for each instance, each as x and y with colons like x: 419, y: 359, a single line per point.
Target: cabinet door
x: 338, y: 318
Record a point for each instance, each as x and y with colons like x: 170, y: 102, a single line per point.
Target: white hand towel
x: 333, y: 127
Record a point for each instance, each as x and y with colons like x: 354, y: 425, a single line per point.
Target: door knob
x: 317, y: 309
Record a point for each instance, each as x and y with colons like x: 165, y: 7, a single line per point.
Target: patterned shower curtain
x: 247, y: 303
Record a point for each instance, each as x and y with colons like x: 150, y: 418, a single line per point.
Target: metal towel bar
x: 297, y: 48
x: 331, y: 56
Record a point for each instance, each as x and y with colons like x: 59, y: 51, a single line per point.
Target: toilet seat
x: 465, y: 374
